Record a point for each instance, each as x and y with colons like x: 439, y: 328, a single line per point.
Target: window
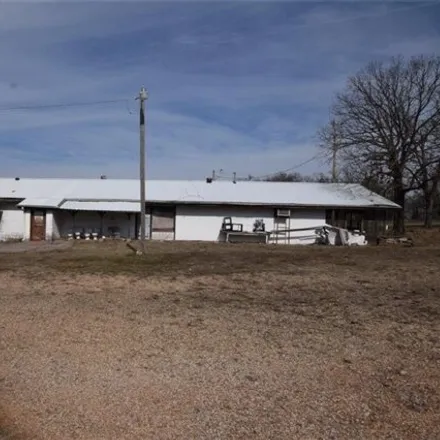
x: 163, y: 219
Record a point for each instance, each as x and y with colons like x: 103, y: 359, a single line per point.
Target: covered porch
x: 93, y: 220
x: 374, y: 221
x: 94, y: 224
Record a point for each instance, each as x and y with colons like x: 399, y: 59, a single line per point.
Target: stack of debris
x: 404, y: 241
x: 333, y: 236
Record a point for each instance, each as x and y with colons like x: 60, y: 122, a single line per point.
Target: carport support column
x: 129, y: 234
x: 49, y: 225
x: 101, y: 223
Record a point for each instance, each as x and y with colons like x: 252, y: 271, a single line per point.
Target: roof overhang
x: 276, y: 205
x: 102, y: 206
x: 134, y: 205
x: 40, y: 203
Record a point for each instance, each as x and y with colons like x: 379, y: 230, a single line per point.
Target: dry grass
x: 220, y: 342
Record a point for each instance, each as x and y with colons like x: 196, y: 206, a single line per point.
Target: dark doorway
x: 38, y: 225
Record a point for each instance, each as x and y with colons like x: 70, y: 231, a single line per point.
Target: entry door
x: 38, y: 225
x: 163, y: 222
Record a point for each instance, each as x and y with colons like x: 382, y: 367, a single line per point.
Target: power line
x: 63, y: 105
x: 315, y: 157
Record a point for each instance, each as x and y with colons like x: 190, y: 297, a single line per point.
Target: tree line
x: 384, y: 132
x: 414, y: 208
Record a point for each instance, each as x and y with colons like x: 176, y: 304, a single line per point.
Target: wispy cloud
x: 241, y: 86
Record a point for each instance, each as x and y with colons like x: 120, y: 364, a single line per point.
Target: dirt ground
x: 214, y: 341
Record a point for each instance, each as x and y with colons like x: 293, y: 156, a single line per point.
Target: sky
x: 237, y: 86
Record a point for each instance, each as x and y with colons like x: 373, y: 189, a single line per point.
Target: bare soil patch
x: 213, y: 341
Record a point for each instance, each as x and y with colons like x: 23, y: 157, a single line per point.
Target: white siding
x: 12, y: 222
x: 299, y: 219
x: 204, y: 222
x: 192, y: 222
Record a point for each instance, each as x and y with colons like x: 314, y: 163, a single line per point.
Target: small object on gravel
x: 348, y: 361
x: 403, y: 372
x: 251, y: 378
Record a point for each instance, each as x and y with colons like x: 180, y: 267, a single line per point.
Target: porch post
x: 49, y: 226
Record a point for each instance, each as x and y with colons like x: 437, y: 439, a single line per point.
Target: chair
x: 78, y: 233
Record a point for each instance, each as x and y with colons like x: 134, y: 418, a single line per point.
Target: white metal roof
x: 179, y: 192
x: 41, y: 202
x: 75, y: 205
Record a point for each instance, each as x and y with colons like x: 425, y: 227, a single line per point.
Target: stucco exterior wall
x: 299, y: 219
x: 27, y: 225
x: 302, y: 218
x: 204, y: 222
x: 192, y: 222
x: 12, y: 222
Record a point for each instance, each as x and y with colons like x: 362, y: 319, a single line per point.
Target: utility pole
x: 334, y: 140
x: 334, y: 136
x: 142, y: 98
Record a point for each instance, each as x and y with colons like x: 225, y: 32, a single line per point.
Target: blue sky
x: 240, y: 86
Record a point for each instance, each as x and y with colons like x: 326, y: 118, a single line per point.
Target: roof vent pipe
x: 17, y: 178
x: 234, y: 180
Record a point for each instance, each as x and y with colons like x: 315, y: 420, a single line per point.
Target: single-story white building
x: 47, y: 209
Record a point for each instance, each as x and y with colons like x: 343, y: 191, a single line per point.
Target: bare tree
x: 285, y: 177
x: 351, y: 172
x: 298, y: 177
x: 425, y: 172
x: 385, y: 113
